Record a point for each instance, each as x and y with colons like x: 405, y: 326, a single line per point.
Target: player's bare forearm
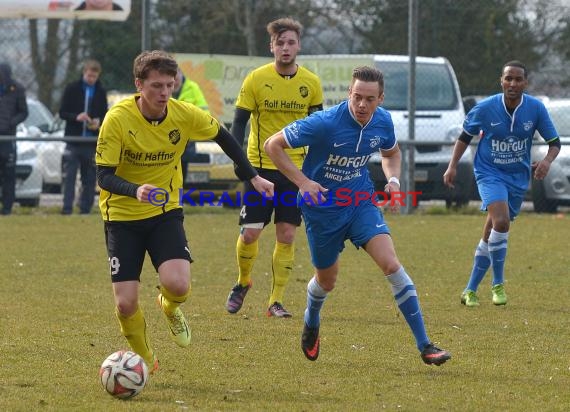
x: 391, y: 162
x: 275, y: 148
x: 449, y: 175
x: 458, y: 149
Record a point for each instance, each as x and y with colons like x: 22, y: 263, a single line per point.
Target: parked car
x: 38, y: 164
x: 42, y: 123
x: 28, y: 175
x: 554, y: 190
x: 29, y: 179
x: 439, y: 117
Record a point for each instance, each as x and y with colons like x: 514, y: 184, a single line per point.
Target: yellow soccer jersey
x: 146, y: 153
x: 274, y: 102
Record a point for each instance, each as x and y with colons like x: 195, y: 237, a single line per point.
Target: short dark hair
x: 516, y: 63
x: 276, y: 27
x: 368, y: 74
x: 157, y: 60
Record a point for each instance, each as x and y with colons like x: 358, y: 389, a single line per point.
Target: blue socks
x: 481, y: 263
x: 498, y: 253
x: 404, y: 293
x: 406, y: 297
x: 316, y: 296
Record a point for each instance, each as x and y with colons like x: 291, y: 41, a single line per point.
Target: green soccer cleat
x: 469, y: 299
x: 177, y: 325
x: 499, y: 295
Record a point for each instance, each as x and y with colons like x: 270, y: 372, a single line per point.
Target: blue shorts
x: 493, y: 189
x: 328, y: 228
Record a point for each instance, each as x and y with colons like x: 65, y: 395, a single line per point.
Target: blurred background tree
x: 476, y: 36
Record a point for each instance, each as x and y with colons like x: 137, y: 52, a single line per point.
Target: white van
x: 439, y: 118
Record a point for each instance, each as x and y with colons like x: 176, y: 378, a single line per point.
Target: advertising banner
x: 65, y: 9
x: 220, y: 76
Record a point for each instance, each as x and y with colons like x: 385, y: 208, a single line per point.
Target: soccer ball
x: 123, y: 374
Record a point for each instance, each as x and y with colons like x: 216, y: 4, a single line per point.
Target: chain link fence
x: 440, y: 109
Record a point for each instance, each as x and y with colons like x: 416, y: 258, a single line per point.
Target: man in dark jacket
x: 13, y: 110
x: 83, y: 106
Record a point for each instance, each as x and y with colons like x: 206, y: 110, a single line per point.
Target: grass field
x: 57, y: 324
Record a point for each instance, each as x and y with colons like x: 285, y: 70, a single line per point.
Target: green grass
x: 57, y: 323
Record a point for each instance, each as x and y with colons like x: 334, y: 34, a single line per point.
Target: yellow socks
x: 134, y: 329
x: 283, y: 256
x: 246, y: 255
x: 177, y: 324
x: 170, y: 302
x: 282, y: 265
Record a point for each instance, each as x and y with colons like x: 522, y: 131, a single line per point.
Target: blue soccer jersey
x: 505, y: 141
x: 339, y: 148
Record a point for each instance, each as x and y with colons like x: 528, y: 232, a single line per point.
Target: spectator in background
x: 83, y: 106
x: 188, y: 91
x: 13, y: 110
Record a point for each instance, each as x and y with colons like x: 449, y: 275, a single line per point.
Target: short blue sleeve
x: 545, y: 126
x: 473, y: 121
x: 305, y: 132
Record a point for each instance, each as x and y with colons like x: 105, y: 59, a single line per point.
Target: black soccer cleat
x: 236, y: 297
x: 310, y: 342
x: 432, y: 355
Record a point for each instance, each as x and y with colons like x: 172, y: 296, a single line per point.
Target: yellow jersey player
x: 271, y: 97
x: 138, y: 169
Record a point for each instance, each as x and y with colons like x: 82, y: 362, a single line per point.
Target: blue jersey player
x: 505, y: 123
x: 337, y: 201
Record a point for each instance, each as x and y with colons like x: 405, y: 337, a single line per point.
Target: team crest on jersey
x: 527, y: 125
x: 174, y: 136
x: 304, y: 90
x: 375, y: 141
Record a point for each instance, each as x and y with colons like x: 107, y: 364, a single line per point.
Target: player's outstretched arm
x: 244, y: 170
x: 109, y: 181
x: 241, y: 117
x: 275, y: 148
